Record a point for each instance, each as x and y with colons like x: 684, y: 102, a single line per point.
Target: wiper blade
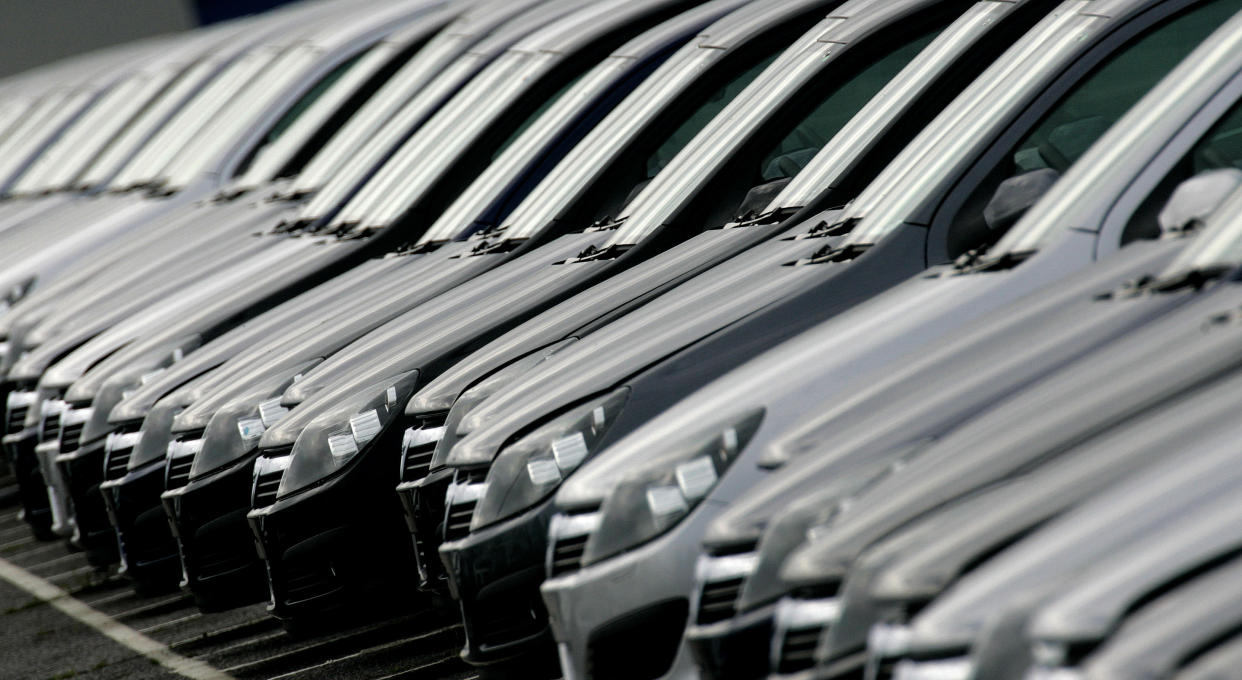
x: 591, y: 253
x: 1193, y: 278
x: 977, y: 261
x: 831, y: 253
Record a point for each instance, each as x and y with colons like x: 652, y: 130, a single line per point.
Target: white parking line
x: 117, y: 631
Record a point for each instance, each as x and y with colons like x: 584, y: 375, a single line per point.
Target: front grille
x: 419, y: 446
x: 463, y: 496
x: 458, y: 522
x: 178, y: 472
x: 567, y: 554
x: 269, y: 469
x: 567, y: 541
x: 797, y: 649
x: 119, y: 449
x: 718, y: 601
x: 70, y: 436
x: 16, y: 418
x: 51, y: 427
x: 417, y: 461
x: 265, y: 487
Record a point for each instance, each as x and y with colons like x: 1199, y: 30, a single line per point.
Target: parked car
x: 607, y: 494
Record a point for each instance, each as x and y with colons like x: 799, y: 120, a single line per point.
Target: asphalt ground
x: 61, y: 618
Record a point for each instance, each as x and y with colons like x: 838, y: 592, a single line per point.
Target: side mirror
x: 1015, y: 196
x: 1197, y: 198
x: 760, y: 197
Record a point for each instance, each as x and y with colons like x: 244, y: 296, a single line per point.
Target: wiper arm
x: 591, y: 253
x: 831, y: 253
x: 1195, y: 278
x: 977, y: 261
x: 1192, y: 278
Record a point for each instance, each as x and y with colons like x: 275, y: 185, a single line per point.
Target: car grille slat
x: 417, y: 462
x: 70, y: 437
x: 718, y: 601
x: 51, y: 427
x: 797, y: 650
x: 179, y: 472
x: 567, y: 554
x: 118, y: 462
x: 16, y: 419
x: 310, y: 582
x: 458, y: 524
x: 265, y: 487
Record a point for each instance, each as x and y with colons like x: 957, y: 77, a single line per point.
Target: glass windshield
x: 674, y: 105
x: 239, y: 116
x: 801, y: 101
x: 155, y: 154
x: 300, y: 108
x: 711, y: 107
x: 1082, y: 115
x: 59, y: 163
x: 120, y: 149
x: 43, y: 122
x: 836, y: 107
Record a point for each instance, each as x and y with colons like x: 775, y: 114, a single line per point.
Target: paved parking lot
x: 64, y: 619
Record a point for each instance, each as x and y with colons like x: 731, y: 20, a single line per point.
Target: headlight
x: 533, y: 468
x: 471, y: 398
x: 640, y: 499
x: 234, y: 430
x: 332, y: 440
x: 156, y: 433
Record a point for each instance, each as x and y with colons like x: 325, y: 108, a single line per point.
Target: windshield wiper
x: 591, y: 253
x: 831, y: 253
x: 977, y: 261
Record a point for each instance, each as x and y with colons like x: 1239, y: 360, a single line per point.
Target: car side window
x: 1218, y: 149
x: 1084, y: 113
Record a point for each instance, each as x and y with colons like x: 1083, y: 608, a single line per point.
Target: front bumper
x: 148, y: 552
x: 639, y: 600
x: 338, y: 545
x: 734, y: 649
x: 82, y: 471
x: 422, y: 506
x: 31, y: 487
x: 495, y: 574
x: 219, y: 564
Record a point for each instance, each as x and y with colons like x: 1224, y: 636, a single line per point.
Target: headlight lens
x: 327, y: 444
x: 643, y: 498
x: 533, y: 468
x: 236, y: 428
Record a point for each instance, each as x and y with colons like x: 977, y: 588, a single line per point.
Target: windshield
x: 618, y: 156
x: 48, y: 118
x: 239, y: 116
x: 120, y: 149
x: 800, y: 100
x: 420, y: 67
x: 892, y: 118
x: 511, y: 157
x: 1081, y: 116
x: 57, y: 166
x: 207, y: 103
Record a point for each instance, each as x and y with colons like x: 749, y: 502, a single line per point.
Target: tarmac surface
x: 61, y: 618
